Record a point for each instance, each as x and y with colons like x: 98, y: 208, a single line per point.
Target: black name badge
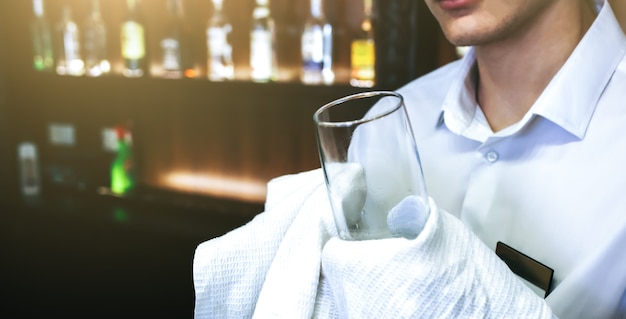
x: 526, y: 267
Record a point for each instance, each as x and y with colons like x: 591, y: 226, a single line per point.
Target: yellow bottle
x: 363, y: 52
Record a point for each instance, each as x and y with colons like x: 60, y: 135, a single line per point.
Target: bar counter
x: 85, y: 255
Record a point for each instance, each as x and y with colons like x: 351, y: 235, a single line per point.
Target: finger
x: 408, y: 218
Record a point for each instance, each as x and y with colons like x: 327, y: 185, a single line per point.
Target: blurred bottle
x: 43, y: 59
x: 69, y: 61
x: 176, y: 46
x: 122, y: 168
x: 95, y: 42
x: 220, y: 61
x: 29, y: 168
x: 263, y: 65
x: 317, y: 42
x: 133, y: 44
x: 363, y: 53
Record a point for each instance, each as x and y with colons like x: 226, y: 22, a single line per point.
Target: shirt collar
x: 459, y: 106
x: 569, y: 99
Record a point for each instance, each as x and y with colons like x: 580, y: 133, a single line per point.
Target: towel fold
x: 288, y: 263
x: 246, y: 268
x: 447, y: 272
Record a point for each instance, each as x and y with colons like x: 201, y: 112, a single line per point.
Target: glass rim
x: 336, y: 102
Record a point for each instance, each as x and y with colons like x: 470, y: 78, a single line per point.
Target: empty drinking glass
x: 371, y: 164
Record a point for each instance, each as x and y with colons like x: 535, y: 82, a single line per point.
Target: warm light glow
x: 461, y: 51
x: 191, y: 73
x: 216, y: 185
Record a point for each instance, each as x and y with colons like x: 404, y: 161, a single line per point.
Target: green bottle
x: 122, y: 175
x: 43, y: 59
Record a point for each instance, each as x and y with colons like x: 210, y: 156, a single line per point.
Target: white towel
x: 269, y: 267
x: 446, y: 272
x: 272, y: 268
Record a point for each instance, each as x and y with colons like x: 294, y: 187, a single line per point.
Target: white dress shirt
x: 552, y: 185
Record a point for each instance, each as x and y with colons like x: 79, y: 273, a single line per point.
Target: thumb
x: 408, y: 218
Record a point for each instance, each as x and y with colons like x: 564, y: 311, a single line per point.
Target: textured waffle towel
x: 445, y: 273
x: 288, y: 263
x: 269, y: 267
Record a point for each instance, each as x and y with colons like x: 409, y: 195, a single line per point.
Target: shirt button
x: 492, y: 156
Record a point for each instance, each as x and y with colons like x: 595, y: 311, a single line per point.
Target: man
x: 522, y: 141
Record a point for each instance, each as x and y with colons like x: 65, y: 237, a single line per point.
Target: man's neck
x: 514, y: 72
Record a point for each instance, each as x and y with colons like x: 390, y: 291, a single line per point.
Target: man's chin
x: 463, y: 39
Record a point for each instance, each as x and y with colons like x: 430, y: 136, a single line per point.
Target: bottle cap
x: 38, y: 7
x: 120, y: 132
x: 316, y: 8
x: 217, y: 4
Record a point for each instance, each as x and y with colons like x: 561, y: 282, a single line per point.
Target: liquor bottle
x: 29, y: 168
x: 362, y: 52
x: 317, y: 41
x: 69, y: 60
x: 176, y: 46
x: 263, y: 66
x: 122, y: 170
x: 43, y: 59
x: 220, y: 61
x: 95, y: 42
x: 133, y: 44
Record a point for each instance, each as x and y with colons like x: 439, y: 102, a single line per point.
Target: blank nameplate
x: 526, y: 267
